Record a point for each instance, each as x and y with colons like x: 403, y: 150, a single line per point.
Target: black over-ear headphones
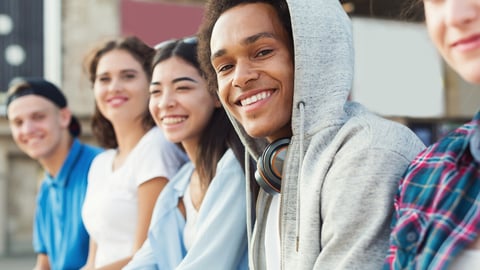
x: 270, y: 166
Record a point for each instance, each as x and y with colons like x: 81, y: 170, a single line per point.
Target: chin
x: 173, y: 139
x: 472, y: 77
x: 255, y: 134
x: 35, y: 155
x: 468, y: 70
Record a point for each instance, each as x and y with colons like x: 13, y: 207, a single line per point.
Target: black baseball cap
x: 45, y: 89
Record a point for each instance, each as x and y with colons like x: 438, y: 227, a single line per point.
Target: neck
x: 128, y: 134
x: 127, y: 139
x: 54, y: 162
x: 191, y: 147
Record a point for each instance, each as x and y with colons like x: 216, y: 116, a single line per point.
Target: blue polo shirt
x: 58, y: 229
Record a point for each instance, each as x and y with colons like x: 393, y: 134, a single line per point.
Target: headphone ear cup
x: 270, y: 165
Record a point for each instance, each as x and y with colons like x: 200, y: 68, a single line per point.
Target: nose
x: 27, y: 127
x: 244, y: 73
x: 114, y: 85
x: 167, y: 100
x: 461, y: 12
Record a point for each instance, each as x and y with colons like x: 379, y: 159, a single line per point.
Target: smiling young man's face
x: 254, y: 67
x: 37, y: 126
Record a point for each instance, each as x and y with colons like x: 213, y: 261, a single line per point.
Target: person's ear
x: 65, y: 117
x: 217, y: 103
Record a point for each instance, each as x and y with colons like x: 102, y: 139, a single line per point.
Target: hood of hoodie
x: 324, y: 62
x: 323, y: 78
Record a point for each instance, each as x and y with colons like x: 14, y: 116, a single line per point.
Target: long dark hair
x: 219, y: 134
x: 412, y: 10
x: 102, y: 128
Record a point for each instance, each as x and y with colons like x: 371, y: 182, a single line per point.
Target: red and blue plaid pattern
x: 437, y: 208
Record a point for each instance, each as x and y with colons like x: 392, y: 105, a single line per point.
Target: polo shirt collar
x: 63, y: 176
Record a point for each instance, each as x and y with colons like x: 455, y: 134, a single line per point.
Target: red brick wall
x: 154, y: 22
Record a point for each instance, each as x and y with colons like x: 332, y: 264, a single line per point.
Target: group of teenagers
x: 238, y: 148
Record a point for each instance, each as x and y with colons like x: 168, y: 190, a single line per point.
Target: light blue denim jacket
x: 221, y: 241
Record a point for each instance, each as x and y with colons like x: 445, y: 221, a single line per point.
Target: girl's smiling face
x: 454, y: 27
x: 179, y: 101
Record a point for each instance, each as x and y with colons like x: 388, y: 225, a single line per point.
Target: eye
x: 103, y: 79
x: 224, y: 68
x: 16, y: 122
x: 184, y: 87
x: 38, y: 116
x: 155, y: 92
x: 264, y: 52
x: 129, y: 76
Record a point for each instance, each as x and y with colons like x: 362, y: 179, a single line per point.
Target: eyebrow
x: 37, y: 111
x: 175, y: 80
x: 121, y: 72
x: 247, y: 41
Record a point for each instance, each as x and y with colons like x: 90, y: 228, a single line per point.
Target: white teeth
x: 255, y: 98
x: 173, y: 120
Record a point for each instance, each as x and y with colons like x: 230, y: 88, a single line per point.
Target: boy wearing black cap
x: 43, y: 127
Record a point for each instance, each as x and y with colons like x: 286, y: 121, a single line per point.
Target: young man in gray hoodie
x: 284, y: 70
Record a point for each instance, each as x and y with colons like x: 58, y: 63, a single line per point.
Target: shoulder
x: 84, y: 149
x: 155, y: 136
x: 441, y: 160
x: 181, y: 179
x: 94, y: 150
x: 229, y: 162
x: 365, y: 130
x: 228, y: 170
x: 155, y: 143
x: 43, y: 191
x: 103, y: 158
x: 447, y: 150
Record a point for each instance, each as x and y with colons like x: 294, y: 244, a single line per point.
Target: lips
x: 33, y: 140
x: 255, y: 98
x: 117, y: 100
x: 466, y: 44
x: 172, y: 120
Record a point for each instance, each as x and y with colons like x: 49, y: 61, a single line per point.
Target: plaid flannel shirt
x: 437, y: 208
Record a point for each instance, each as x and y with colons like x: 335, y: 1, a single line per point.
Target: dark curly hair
x: 102, y: 128
x: 213, y: 10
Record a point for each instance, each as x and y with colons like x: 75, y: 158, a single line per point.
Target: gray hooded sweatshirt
x: 343, y: 163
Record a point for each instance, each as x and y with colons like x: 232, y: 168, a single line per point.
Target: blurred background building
x: 398, y: 74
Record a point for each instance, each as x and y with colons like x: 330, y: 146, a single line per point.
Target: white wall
x: 397, y: 71
x: 53, y: 41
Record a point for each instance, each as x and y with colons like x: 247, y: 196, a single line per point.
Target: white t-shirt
x: 110, y: 209
x: 190, y: 229
x: 272, y: 234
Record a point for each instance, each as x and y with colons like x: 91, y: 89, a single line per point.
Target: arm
x: 392, y: 250
x: 92, y: 250
x: 356, y: 208
x: 221, y: 241
x: 42, y: 262
x: 143, y: 259
x: 147, y: 196
x: 38, y: 235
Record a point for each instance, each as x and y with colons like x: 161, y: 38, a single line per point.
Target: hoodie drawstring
x: 301, y: 107
x: 248, y: 198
